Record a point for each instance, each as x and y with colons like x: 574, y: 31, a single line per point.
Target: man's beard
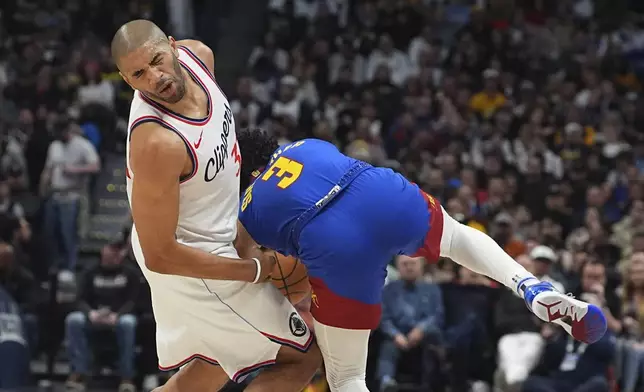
x: 179, y: 82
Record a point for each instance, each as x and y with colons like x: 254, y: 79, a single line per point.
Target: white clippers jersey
x: 209, y: 196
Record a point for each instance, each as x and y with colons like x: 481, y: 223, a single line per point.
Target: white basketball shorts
x: 239, y: 326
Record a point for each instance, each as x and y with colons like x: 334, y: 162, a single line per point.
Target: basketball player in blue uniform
x: 345, y: 219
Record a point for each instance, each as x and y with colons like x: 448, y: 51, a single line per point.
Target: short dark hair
x: 256, y: 147
x: 593, y: 259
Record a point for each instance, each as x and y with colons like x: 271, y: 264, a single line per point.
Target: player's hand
x: 401, y: 342
x: 95, y: 316
x: 548, y: 331
x: 267, y: 261
x: 415, y: 336
x: 111, y: 318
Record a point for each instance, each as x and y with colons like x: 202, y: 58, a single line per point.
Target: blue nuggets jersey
x: 303, y: 173
x: 345, y: 220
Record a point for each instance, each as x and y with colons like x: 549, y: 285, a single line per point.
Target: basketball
x: 290, y: 277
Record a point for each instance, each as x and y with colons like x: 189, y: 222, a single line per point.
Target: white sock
x: 481, y: 254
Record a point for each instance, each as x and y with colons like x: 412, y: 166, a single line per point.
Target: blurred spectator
x: 490, y: 99
x: 94, y: 89
x: 503, y: 235
x: 14, y: 227
x: 71, y: 159
x: 593, y: 289
x: 348, y: 60
x: 633, y: 323
x: 13, y: 164
x: 570, y: 366
x: 542, y: 259
x: 289, y: 107
x: 8, y: 206
x: 627, y: 228
x: 14, y: 354
x: 19, y: 283
x: 520, y: 342
x: 389, y: 60
x: 245, y: 108
x: 271, y: 52
x: 468, y: 301
x: 412, y: 318
x: 106, y: 301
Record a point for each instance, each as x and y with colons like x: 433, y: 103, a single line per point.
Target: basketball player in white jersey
x: 214, y: 315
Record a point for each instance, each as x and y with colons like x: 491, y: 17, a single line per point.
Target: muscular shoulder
x: 157, y: 149
x: 201, y: 50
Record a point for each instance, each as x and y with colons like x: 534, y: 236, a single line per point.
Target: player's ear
x: 173, y: 45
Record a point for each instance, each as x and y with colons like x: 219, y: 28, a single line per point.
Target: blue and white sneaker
x: 583, y: 321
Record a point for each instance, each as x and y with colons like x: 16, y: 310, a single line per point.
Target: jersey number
x: 288, y: 171
x: 237, y: 158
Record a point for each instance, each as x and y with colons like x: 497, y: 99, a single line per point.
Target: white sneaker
x: 583, y: 321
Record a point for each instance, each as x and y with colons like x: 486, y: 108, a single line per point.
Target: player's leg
x: 343, y: 319
x: 242, y: 328
x: 345, y: 307
x: 237, y: 325
x: 196, y: 375
x: 346, y: 248
x: 291, y: 356
x: 345, y: 356
x: 293, y: 370
x: 480, y: 253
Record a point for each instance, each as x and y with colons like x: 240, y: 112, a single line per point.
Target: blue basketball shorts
x: 346, y: 247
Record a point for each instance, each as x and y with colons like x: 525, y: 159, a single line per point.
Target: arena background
x: 523, y: 117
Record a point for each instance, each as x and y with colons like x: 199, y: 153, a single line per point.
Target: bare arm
x: 244, y: 243
x: 158, y: 158
x: 202, y: 51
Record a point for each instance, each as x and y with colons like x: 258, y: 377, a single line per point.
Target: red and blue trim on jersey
x: 335, y: 310
x: 290, y: 343
x: 181, y: 117
x: 237, y: 377
x: 203, y: 66
x: 431, y: 247
x: 241, y: 374
x: 191, y: 150
x: 185, y: 361
x: 199, y: 62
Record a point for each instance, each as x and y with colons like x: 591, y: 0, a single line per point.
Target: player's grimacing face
x: 155, y: 71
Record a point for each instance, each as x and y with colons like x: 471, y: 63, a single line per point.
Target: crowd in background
x: 521, y: 117
x: 62, y: 109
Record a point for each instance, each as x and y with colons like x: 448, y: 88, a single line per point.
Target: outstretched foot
x: 583, y: 321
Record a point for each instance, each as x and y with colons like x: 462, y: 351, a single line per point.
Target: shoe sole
x: 583, y: 321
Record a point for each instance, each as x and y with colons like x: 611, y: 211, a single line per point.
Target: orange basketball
x: 290, y: 277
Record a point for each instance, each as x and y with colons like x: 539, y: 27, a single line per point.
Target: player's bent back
x: 342, y: 217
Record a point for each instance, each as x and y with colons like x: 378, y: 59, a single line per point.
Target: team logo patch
x: 297, y: 325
